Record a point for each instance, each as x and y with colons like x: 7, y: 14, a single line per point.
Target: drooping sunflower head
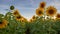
x: 58, y: 16
x: 42, y: 4
x: 18, y: 18
x: 51, y: 11
x: 39, y: 12
x: 12, y: 7
x: 16, y: 12
x: 3, y: 23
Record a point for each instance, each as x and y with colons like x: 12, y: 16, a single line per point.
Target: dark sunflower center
x: 51, y: 11
x: 33, y: 17
x: 42, y: 5
x: 40, y: 12
x: 58, y: 16
x: 15, y: 13
x: 18, y: 17
x: 0, y: 22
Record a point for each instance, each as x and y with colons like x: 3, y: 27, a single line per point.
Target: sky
x: 26, y: 8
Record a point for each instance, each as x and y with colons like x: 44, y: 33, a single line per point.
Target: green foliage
x: 45, y: 27
x: 1, y: 16
x: 38, y: 26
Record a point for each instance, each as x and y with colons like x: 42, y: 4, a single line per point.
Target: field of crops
x: 14, y: 23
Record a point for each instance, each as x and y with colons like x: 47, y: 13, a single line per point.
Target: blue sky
x: 26, y: 7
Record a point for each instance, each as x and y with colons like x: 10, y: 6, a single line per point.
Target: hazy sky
x: 26, y: 7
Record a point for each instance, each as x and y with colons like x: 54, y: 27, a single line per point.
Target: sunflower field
x: 47, y: 21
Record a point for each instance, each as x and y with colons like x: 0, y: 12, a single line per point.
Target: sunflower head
x: 30, y: 20
x: 33, y: 17
x: 51, y: 11
x: 12, y: 7
x: 39, y: 12
x: 42, y: 4
x: 16, y: 12
x: 23, y: 19
x: 58, y: 16
x: 3, y: 23
x: 19, y: 17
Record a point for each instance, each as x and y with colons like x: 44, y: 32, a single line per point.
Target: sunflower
x: 58, y: 16
x: 39, y: 11
x: 31, y: 20
x: 23, y: 19
x: 51, y: 11
x: 18, y: 18
x: 12, y: 7
x: 34, y: 17
x: 16, y: 12
x: 3, y: 23
x: 42, y: 4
